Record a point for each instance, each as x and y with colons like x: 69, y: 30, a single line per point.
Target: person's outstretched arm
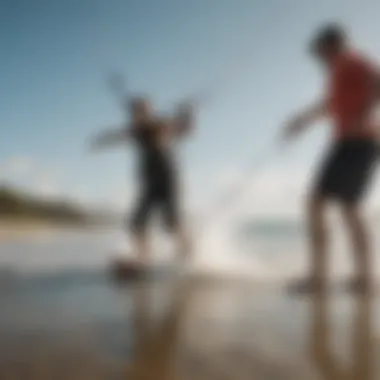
x: 111, y: 137
x: 182, y: 123
x: 303, y: 119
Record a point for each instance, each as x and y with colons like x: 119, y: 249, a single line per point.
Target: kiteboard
x: 126, y: 270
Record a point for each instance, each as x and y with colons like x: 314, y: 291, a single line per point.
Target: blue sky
x: 53, y: 94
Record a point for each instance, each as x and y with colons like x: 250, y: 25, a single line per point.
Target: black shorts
x: 347, y: 170
x: 156, y: 195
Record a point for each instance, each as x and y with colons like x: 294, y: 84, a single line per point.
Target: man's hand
x: 292, y: 128
x: 296, y: 124
x: 183, y: 120
x: 108, y: 138
x: 94, y: 143
x: 185, y: 108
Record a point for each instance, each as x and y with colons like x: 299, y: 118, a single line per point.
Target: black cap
x: 331, y: 34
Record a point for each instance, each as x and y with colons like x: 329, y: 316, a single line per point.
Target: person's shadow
x: 361, y: 364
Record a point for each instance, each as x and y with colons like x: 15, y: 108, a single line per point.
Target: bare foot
x: 360, y: 286
x: 185, y: 250
x: 125, y: 270
x: 307, y: 285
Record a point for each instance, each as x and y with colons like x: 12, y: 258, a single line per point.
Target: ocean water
x: 262, y: 249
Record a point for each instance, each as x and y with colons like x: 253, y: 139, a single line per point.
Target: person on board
x: 158, y: 173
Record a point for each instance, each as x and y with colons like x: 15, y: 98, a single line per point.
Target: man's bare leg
x: 318, y: 231
x: 183, y: 243
x: 359, y: 234
x: 318, y: 247
x: 133, y: 267
x: 141, y: 248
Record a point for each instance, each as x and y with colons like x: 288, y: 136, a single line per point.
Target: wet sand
x: 184, y: 330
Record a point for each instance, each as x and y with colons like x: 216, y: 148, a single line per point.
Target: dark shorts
x: 347, y: 170
x: 156, y: 196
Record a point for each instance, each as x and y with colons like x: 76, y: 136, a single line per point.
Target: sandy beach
x: 184, y: 330
x: 16, y: 230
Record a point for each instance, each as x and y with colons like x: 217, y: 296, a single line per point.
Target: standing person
x: 353, y: 92
x: 157, y: 171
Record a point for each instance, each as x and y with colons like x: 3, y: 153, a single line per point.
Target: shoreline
x: 11, y: 229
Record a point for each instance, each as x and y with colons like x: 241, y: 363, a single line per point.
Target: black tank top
x: 156, y: 161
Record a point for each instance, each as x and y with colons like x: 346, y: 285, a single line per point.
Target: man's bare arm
x: 111, y: 137
x: 183, y: 122
x: 302, y: 120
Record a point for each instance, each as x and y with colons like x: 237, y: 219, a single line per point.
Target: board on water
x: 127, y: 270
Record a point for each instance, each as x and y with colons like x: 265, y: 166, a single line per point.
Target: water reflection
x: 360, y: 366
x: 156, y: 344
x: 181, y: 329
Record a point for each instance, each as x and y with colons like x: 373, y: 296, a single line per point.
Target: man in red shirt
x: 352, y: 94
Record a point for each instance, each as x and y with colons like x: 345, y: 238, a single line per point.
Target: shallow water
x: 196, y: 331
x: 63, y: 303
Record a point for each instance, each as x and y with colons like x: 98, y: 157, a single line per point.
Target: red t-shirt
x: 350, y: 83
